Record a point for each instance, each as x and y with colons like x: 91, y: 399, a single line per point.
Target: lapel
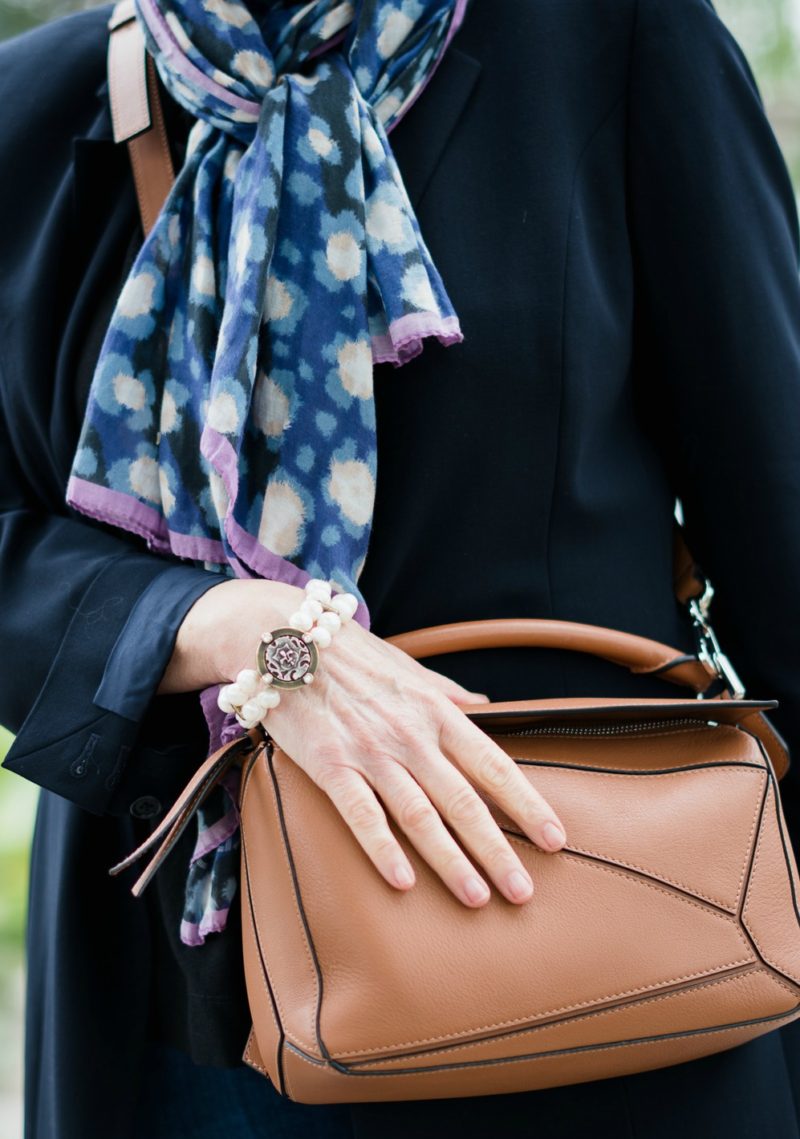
x: 100, y: 168
x: 418, y: 140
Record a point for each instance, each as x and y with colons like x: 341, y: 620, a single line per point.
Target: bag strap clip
x: 708, y: 647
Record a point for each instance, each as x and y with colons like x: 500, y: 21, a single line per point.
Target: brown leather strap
x: 687, y: 580
x: 639, y: 654
x: 180, y: 813
x: 136, y: 113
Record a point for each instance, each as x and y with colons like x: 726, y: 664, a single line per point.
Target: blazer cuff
x: 143, y: 648
x: 67, y: 743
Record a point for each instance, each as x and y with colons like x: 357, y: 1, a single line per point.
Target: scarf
x: 231, y: 418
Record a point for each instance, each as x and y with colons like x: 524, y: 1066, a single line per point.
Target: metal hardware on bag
x: 709, y: 651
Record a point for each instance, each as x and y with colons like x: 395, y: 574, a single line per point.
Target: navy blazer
x: 615, y: 224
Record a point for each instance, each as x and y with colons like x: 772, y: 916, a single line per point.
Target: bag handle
x: 639, y: 655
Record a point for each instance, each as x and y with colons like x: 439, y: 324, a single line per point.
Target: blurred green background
x: 769, y: 31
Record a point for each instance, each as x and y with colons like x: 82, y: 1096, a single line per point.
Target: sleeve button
x: 145, y: 807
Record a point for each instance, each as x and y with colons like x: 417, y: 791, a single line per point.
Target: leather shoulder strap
x: 687, y: 580
x: 136, y: 113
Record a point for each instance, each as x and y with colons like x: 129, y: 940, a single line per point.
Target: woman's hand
x: 378, y: 732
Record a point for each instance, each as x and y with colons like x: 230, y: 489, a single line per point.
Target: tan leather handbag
x: 666, y: 929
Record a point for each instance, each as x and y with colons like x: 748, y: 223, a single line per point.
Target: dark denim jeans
x: 180, y: 1100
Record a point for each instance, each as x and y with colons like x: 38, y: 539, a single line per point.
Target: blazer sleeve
x: 87, y: 626
x: 88, y: 614
x: 715, y: 238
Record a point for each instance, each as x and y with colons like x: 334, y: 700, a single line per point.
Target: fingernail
x: 476, y: 890
x: 482, y: 697
x: 403, y: 876
x: 553, y: 836
x: 520, y: 886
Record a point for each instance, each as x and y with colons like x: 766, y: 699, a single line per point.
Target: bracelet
x: 288, y: 657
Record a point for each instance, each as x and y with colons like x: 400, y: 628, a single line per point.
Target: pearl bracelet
x: 288, y: 657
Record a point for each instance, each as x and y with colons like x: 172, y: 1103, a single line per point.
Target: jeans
x: 180, y: 1100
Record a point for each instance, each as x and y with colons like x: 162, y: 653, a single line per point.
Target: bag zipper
x: 634, y: 728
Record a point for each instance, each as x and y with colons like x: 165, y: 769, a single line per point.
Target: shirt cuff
x: 144, y: 646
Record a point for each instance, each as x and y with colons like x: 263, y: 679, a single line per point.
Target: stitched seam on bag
x: 773, y: 735
x: 534, y: 1028
x: 248, y: 1056
x: 650, y: 885
x: 581, y: 1004
x: 674, y: 881
x: 287, y: 1082
x: 711, y: 765
x: 286, y: 1031
x: 271, y: 988
x: 561, y: 1052
x: 781, y: 969
x: 594, y: 1000
x: 555, y: 1011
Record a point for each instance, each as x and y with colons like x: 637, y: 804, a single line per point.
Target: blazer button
x: 145, y: 807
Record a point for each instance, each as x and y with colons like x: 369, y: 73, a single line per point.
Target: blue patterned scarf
x: 231, y: 418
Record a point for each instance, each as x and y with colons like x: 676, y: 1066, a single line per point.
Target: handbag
x: 666, y: 929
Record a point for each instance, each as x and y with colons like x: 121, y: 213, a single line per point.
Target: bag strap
x: 177, y: 818
x: 136, y: 113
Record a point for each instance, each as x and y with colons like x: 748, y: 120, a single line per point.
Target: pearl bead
x: 235, y: 694
x: 267, y: 698
x: 301, y: 620
x: 248, y: 724
x: 311, y: 605
x: 318, y: 588
x: 252, y: 710
x: 223, y: 701
x: 249, y: 681
x: 345, y: 604
x: 330, y: 621
x: 321, y: 635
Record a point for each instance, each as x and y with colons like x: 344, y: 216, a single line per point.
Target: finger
x: 466, y: 813
x: 356, y: 803
x: 419, y: 820
x: 496, y: 773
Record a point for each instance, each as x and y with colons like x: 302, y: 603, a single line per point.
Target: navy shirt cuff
x: 144, y: 646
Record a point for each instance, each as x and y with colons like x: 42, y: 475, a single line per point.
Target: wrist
x: 288, y: 654
x: 221, y: 631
